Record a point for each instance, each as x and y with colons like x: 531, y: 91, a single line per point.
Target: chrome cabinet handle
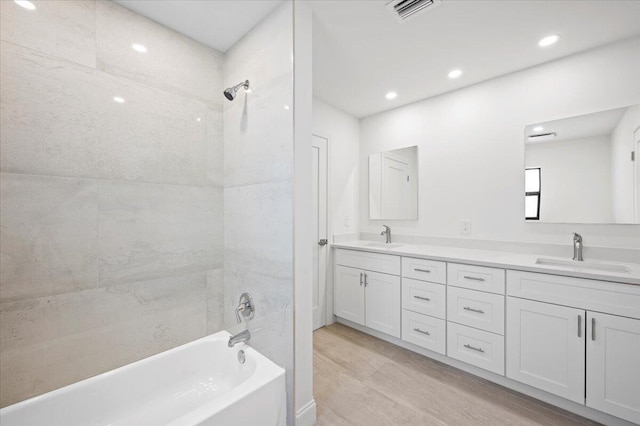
x: 421, y: 331
x: 466, y: 277
x: 467, y: 308
x: 323, y: 242
x: 422, y: 270
x: 473, y: 348
x: 579, y: 325
x: 422, y: 298
x: 365, y: 279
x: 593, y: 329
x: 360, y: 278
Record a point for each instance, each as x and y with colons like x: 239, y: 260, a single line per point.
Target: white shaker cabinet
x: 364, y: 296
x: 545, y: 347
x: 382, y: 302
x: 349, y: 294
x: 613, y: 360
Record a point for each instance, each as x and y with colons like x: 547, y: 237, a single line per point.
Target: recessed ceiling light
x: 286, y: 107
x: 454, y: 73
x: 118, y: 99
x: 198, y: 119
x: 548, y: 40
x: 26, y: 4
x: 391, y: 95
x: 538, y: 129
x: 138, y: 48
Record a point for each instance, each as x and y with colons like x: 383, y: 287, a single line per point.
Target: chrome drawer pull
x: 423, y: 332
x: 365, y: 279
x: 422, y: 270
x: 360, y: 278
x: 480, y: 311
x: 593, y: 329
x: 466, y: 277
x: 422, y: 298
x: 579, y: 325
x: 474, y: 348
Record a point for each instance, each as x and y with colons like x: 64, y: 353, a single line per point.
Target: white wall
x: 622, y: 173
x: 343, y: 132
x: 576, y: 179
x: 472, y: 152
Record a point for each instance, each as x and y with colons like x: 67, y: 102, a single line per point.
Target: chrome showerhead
x: 230, y: 93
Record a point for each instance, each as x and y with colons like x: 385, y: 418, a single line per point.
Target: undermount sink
x: 382, y: 245
x: 585, y: 265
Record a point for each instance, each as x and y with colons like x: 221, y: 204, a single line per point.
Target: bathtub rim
x: 266, y: 371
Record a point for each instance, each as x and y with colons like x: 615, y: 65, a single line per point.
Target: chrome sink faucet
x: 387, y: 233
x: 577, y: 247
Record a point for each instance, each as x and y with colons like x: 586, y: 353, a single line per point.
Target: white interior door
x: 395, y: 187
x: 320, y: 247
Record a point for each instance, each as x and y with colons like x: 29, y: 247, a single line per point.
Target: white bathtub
x: 200, y: 383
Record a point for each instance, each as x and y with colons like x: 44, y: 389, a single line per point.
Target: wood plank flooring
x: 362, y: 380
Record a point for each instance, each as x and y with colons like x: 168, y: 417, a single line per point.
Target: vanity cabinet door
x: 349, y: 294
x: 546, y: 347
x: 382, y: 302
x: 613, y: 360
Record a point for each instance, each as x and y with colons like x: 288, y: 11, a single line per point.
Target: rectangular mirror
x: 584, y: 169
x: 393, y: 184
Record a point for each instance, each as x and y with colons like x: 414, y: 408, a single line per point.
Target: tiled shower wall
x: 111, y: 214
x: 258, y: 185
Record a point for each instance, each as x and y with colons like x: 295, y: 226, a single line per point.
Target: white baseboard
x: 306, y: 416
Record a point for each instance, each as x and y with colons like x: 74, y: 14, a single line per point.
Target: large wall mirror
x: 393, y: 184
x: 584, y: 169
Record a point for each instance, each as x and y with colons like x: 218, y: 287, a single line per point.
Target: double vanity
x: 555, y: 329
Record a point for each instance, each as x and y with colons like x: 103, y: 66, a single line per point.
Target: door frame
x: 329, y: 277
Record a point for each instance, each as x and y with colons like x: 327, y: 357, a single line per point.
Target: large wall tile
x: 48, y: 235
x: 153, y: 230
x: 81, y: 334
x: 216, y: 306
x: 258, y: 134
x: 64, y: 29
x: 215, y: 147
x: 259, y: 225
x: 60, y: 119
x: 173, y: 61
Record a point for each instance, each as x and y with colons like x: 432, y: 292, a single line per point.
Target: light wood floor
x: 362, y: 380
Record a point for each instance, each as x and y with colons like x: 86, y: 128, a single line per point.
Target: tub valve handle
x: 246, y: 307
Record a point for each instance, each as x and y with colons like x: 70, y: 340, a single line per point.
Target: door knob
x: 323, y: 242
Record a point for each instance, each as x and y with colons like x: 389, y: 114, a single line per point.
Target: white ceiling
x: 360, y: 51
x: 600, y: 123
x: 218, y: 24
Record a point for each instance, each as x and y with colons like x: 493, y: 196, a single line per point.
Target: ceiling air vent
x: 405, y: 10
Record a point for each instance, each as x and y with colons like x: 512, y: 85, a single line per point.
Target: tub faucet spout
x: 243, y: 336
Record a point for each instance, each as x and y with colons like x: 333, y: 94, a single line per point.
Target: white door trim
x: 324, y: 252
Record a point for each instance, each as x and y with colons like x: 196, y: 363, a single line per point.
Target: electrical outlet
x: 346, y: 221
x: 465, y: 227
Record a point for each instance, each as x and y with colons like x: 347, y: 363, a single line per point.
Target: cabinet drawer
x: 424, y: 298
x: 425, y: 270
x: 385, y: 263
x: 594, y: 295
x: 476, y: 347
x: 424, y: 331
x: 476, y: 277
x: 476, y: 309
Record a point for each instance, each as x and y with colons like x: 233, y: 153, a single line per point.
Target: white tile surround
x: 112, y: 238
x: 258, y: 185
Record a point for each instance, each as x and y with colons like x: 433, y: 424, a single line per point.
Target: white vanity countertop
x: 517, y: 261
